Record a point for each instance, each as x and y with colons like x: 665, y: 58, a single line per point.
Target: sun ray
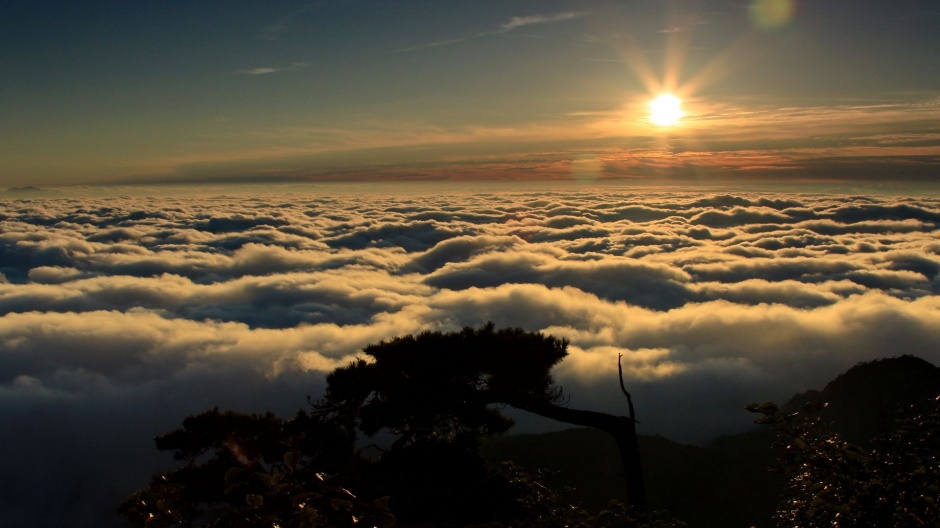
x: 667, y: 70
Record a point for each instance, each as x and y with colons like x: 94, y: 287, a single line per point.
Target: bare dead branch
x: 624, y: 389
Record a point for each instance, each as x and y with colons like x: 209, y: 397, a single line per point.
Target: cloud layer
x: 120, y: 316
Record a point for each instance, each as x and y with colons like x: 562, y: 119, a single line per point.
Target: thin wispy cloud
x: 522, y: 21
x: 435, y: 44
x: 264, y: 70
x: 514, y: 23
x: 256, y: 71
x: 274, y: 30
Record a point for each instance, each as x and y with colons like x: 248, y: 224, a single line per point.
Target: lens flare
x: 771, y: 14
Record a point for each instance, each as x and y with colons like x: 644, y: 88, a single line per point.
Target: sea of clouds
x: 120, y: 316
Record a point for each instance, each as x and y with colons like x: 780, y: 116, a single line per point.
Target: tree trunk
x: 621, y: 428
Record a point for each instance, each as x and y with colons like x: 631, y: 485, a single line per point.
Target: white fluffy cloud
x: 120, y: 316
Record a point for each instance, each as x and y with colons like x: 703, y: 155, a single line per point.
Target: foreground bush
x: 895, y: 481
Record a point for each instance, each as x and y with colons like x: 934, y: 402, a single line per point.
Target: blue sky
x: 211, y: 91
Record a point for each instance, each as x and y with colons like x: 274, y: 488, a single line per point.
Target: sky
x: 107, y: 92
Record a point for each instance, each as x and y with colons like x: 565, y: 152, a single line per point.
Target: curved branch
x: 624, y: 389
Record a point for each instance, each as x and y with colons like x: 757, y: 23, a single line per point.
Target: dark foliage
x: 438, y: 395
x: 442, y: 386
x: 248, y: 470
x: 450, y: 387
x: 893, y: 482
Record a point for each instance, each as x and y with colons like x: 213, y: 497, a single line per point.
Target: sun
x: 665, y: 110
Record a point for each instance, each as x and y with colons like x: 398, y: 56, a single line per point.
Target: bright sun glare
x: 665, y: 111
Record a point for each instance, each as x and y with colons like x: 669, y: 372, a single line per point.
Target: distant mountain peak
x: 864, y: 400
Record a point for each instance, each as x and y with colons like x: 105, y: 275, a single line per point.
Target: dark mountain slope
x: 864, y: 400
x: 725, y: 485
x: 728, y: 483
